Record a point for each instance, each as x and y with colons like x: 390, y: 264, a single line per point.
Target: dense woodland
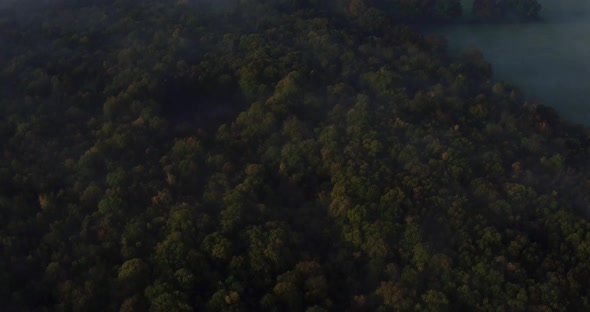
x: 279, y: 156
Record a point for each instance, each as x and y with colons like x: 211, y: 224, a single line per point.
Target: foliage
x: 326, y: 157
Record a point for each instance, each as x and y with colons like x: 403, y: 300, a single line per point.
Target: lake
x: 549, y: 60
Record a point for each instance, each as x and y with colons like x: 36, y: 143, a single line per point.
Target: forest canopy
x: 324, y: 156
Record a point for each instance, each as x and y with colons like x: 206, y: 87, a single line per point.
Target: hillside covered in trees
x: 279, y: 156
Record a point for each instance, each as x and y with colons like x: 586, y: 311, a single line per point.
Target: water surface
x: 549, y: 60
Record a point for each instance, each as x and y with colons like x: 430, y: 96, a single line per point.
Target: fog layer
x: 549, y: 60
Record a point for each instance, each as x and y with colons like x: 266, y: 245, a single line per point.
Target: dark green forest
x: 287, y: 155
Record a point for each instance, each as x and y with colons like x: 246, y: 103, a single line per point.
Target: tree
x: 434, y: 301
x: 133, y: 276
x: 486, y: 10
x: 356, y: 7
x: 524, y: 10
x: 448, y: 10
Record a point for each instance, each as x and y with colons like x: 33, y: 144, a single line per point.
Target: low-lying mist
x: 549, y: 59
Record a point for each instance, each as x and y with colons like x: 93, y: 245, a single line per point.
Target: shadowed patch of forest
x: 208, y: 105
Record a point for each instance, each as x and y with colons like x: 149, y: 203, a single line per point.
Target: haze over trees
x: 161, y: 157
x: 547, y: 60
